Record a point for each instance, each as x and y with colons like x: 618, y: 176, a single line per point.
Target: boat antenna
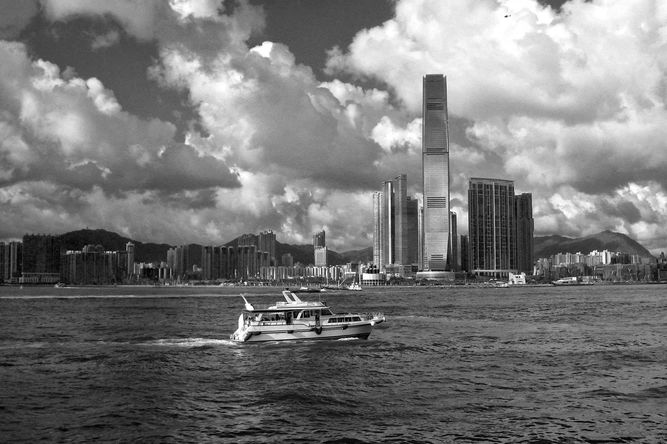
x: 248, y: 305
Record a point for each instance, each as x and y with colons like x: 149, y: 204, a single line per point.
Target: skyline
x: 177, y: 124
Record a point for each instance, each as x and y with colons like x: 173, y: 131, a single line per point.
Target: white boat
x: 354, y: 286
x: 294, y: 319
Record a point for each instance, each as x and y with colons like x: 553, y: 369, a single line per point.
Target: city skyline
x: 198, y: 121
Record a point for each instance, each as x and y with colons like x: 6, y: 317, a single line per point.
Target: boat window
x: 356, y: 318
x: 305, y: 314
x: 347, y: 319
x: 326, y: 312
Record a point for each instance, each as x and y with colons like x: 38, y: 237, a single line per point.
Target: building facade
x: 320, y: 248
x: 396, y: 225
x: 525, y: 227
x: 491, y: 227
x: 435, y: 173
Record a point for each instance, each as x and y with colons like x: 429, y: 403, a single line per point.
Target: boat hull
x: 297, y: 333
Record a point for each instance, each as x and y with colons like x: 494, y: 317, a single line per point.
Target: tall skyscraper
x: 435, y: 173
x: 378, y: 232
x: 523, y: 208
x: 413, y: 231
x: 396, y: 227
x: 400, y: 217
x: 491, y: 227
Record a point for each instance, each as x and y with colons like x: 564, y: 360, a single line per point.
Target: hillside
x: 150, y: 252
x: 143, y: 252
x: 607, y: 240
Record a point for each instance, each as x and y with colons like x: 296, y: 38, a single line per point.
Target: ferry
x: 295, y: 319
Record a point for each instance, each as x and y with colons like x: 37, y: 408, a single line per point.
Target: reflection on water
x: 491, y: 365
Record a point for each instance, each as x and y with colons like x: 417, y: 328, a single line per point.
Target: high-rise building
x: 11, y: 261
x: 320, y: 248
x: 463, y: 247
x: 378, y: 231
x: 523, y: 208
x: 129, y: 248
x: 396, y: 224
x: 413, y: 231
x: 435, y: 173
x: 491, y: 227
x: 267, y: 243
x: 41, y: 254
x: 400, y: 217
x: 453, y: 256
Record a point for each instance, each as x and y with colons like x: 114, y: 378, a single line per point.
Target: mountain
x: 143, y: 252
x: 364, y: 256
x: 607, y: 240
x: 150, y: 252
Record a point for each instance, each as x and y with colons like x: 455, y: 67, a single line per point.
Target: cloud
x: 73, y: 132
x: 15, y: 16
x: 553, y: 100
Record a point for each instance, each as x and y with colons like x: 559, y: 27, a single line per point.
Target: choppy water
x: 585, y: 364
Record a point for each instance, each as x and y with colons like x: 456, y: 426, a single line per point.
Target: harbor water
x: 533, y: 364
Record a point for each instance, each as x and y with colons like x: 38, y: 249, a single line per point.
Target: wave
x: 188, y: 342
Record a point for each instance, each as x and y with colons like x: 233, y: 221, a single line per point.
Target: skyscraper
x: 395, y: 234
x: 491, y: 227
x: 435, y: 173
x: 320, y: 248
x: 400, y: 217
x: 523, y: 208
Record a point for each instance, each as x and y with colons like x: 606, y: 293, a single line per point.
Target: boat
x: 566, y: 281
x: 354, y: 286
x: 295, y: 319
x: 304, y: 289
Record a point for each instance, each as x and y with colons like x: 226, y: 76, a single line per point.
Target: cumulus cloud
x: 72, y: 134
x: 570, y: 104
x: 571, y: 99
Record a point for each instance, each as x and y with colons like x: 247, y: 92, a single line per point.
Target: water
x: 582, y: 364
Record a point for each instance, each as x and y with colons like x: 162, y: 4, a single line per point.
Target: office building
x: 491, y: 227
x: 396, y: 225
x: 525, y: 226
x: 320, y: 249
x: 435, y: 173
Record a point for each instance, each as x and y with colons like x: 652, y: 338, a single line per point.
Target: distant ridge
x: 151, y: 252
x: 547, y: 246
x: 143, y: 252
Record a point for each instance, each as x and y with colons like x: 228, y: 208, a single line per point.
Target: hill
x: 151, y: 252
x: 143, y: 252
x: 607, y: 240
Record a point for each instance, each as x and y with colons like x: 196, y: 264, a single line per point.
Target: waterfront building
x: 267, y: 243
x: 435, y: 173
x: 413, y: 230
x: 41, y: 254
x: 129, y: 248
x: 453, y: 255
x: 320, y: 248
x: 11, y: 261
x: 378, y: 229
x: 525, y: 226
x: 396, y: 225
x: 491, y: 227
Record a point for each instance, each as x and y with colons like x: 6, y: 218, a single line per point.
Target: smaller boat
x: 354, y: 286
x: 295, y: 319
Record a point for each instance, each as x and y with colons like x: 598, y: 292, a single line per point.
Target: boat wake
x: 189, y: 342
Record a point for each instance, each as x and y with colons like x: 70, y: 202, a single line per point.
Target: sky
x: 195, y: 121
